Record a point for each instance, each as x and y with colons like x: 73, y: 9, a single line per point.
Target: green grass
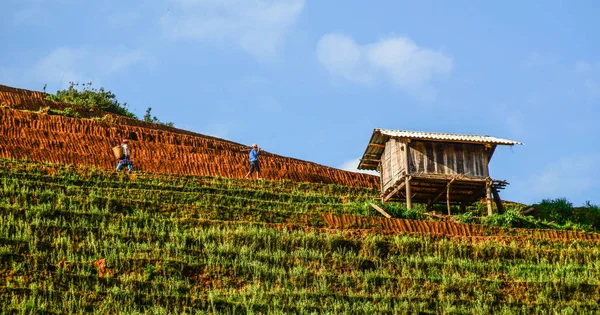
x: 200, y: 245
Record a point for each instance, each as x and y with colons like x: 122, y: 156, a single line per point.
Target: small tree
x: 153, y: 119
x: 90, y: 97
x: 98, y: 99
x: 148, y: 116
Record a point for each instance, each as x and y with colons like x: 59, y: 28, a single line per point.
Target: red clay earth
x: 155, y: 148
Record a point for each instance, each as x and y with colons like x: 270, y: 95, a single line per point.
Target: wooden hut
x: 431, y: 167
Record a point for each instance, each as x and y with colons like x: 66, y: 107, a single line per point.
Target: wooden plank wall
x: 447, y: 158
x: 398, y: 158
x: 393, y: 162
x: 386, y: 170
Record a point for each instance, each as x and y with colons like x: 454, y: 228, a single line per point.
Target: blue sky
x: 312, y: 79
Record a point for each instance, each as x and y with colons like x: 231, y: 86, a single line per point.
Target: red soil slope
x: 155, y: 148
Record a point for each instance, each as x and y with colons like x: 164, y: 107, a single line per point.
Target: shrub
x: 92, y: 98
x: 588, y: 214
x: 399, y: 210
x: 153, y: 119
x: 467, y: 217
x: 511, y: 218
x: 557, y: 210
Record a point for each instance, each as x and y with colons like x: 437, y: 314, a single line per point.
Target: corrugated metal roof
x: 445, y: 136
x: 379, y: 137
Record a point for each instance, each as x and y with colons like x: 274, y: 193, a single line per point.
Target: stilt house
x: 431, y: 167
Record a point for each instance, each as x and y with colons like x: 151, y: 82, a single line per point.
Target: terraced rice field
x: 77, y: 239
x: 449, y: 228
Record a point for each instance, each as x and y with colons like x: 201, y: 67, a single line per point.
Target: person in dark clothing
x: 254, y: 166
x: 126, y: 157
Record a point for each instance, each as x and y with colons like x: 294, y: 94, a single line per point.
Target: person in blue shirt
x: 254, y: 166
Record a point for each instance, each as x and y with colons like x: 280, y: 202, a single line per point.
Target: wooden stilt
x: 488, y: 188
x: 408, y: 193
x: 408, y: 178
x: 448, y: 198
x: 497, y: 200
x: 430, y: 203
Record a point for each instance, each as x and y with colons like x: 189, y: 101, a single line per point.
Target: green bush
x: 92, y: 98
x: 467, y: 217
x: 153, y: 119
x: 399, y: 210
x: 588, y: 214
x: 95, y: 99
x: 511, y: 218
x: 558, y: 210
x: 562, y: 212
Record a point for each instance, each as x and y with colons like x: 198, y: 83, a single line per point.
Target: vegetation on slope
x: 83, y: 240
x: 556, y: 214
x: 97, y: 100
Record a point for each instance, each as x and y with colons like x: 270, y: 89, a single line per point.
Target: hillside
x: 29, y: 131
x: 190, y: 236
x: 80, y: 239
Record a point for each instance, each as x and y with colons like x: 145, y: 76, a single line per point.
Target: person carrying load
x: 124, y: 155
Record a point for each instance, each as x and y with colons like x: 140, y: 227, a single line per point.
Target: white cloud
x: 257, y: 26
x: 341, y: 56
x: 397, y: 60
x: 351, y: 165
x: 566, y: 177
x: 405, y: 63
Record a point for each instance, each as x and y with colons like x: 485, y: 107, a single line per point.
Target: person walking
x: 254, y: 166
x: 125, y: 156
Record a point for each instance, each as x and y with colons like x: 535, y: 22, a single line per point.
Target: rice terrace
x: 193, y: 236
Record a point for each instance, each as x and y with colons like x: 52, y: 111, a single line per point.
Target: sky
x: 312, y: 79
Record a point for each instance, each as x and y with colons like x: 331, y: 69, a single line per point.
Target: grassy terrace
x: 76, y: 240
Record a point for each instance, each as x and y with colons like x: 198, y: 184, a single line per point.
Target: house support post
x: 497, y: 200
x: 408, y: 178
x: 448, y: 198
x: 380, y: 169
x: 488, y: 197
x: 431, y: 202
x: 408, y: 193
